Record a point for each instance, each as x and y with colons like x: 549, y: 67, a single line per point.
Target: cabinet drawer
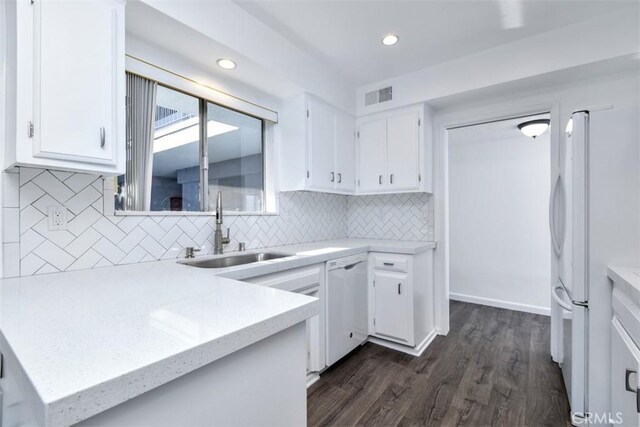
x: 628, y: 314
x: 296, y: 280
x: 391, y: 262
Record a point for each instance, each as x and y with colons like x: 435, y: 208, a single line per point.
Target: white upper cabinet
x: 316, y: 147
x: 372, y: 147
x: 70, y: 85
x: 345, y: 153
x: 395, y: 152
x: 321, y: 128
x: 403, y: 142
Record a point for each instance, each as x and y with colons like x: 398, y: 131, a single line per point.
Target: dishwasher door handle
x: 350, y: 266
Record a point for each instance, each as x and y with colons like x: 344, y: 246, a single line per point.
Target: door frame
x: 443, y: 122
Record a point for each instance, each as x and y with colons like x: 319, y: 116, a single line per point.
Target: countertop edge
x: 621, y: 274
x: 89, y: 402
x: 301, y: 260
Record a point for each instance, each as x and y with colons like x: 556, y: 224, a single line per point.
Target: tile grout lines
x: 93, y: 239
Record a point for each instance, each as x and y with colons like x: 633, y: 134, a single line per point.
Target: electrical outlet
x: 57, y: 218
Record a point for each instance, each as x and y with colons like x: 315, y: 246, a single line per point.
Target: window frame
x: 203, y: 160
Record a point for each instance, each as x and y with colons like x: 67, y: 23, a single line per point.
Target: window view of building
x: 186, y: 167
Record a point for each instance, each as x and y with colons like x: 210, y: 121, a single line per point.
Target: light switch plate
x: 57, y: 218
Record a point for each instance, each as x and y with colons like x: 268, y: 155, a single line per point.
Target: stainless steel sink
x: 232, y: 260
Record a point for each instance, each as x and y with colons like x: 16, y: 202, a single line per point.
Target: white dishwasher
x: 347, y: 317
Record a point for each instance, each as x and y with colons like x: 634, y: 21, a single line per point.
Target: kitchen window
x: 182, y: 149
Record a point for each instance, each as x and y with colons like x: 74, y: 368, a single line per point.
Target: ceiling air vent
x: 377, y: 96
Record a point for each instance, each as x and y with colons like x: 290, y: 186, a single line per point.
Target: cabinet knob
x: 102, y: 137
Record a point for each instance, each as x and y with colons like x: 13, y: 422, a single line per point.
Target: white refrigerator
x: 594, y: 217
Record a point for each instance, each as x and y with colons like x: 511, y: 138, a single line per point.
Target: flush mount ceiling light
x: 227, y: 64
x: 390, y: 39
x: 534, y: 128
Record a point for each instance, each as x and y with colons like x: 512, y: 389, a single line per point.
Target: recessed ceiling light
x: 390, y: 39
x: 227, y: 64
x: 534, y: 128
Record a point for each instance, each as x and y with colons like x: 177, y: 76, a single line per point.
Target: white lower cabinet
x: 397, y: 304
x: 392, y: 305
x: 307, y: 281
x: 625, y: 361
x: 401, y: 299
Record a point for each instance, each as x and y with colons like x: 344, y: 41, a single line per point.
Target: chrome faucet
x: 218, y: 239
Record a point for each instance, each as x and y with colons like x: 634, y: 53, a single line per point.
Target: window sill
x: 186, y: 213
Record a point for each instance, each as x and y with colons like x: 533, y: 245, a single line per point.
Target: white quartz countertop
x: 316, y: 252
x: 89, y: 340
x: 627, y: 279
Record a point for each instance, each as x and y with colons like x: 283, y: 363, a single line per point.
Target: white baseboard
x: 535, y: 309
x: 312, y: 378
x: 414, y: 351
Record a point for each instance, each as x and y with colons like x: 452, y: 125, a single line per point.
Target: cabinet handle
x: 333, y: 177
x: 391, y: 178
x: 627, y: 374
x: 634, y: 390
x: 388, y: 264
x: 380, y: 179
x: 399, y: 288
x: 102, y: 137
x: 339, y: 178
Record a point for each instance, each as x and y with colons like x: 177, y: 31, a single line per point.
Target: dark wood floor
x: 493, y: 368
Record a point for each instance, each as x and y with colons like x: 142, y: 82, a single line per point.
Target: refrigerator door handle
x: 552, y: 222
x: 560, y: 236
x: 558, y: 300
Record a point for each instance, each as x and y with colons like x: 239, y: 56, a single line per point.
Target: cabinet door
x: 77, y: 78
x: 322, y: 136
x: 391, y: 306
x: 345, y: 153
x: 625, y: 366
x: 403, y: 139
x: 372, y: 150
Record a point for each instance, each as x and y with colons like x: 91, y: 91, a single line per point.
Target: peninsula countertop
x: 89, y: 340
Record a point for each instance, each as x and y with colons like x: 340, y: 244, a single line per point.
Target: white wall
x: 499, y: 239
x: 620, y: 89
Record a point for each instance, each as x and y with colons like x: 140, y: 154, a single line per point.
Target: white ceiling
x: 346, y: 34
x: 146, y: 24
x: 494, y: 131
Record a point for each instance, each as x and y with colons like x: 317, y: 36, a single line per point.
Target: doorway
x: 499, y: 244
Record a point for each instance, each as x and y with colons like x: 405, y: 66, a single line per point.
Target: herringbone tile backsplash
x: 93, y: 239
x: 391, y: 216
